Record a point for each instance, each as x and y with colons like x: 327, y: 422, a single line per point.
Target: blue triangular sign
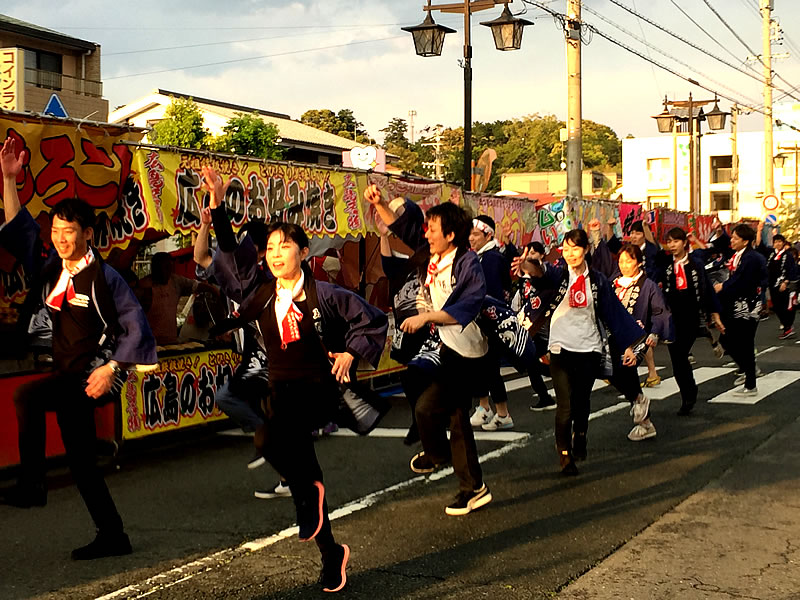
x: 55, y: 107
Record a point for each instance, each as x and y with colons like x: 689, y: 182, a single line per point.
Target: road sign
x: 771, y: 202
x: 55, y: 107
x: 771, y: 220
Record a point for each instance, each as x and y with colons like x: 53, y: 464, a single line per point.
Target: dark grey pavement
x: 627, y: 520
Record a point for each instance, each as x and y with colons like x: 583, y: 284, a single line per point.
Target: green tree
x: 409, y: 159
x: 396, y: 133
x: 343, y: 123
x: 249, y: 135
x: 182, y: 126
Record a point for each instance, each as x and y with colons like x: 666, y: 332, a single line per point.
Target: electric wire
x: 701, y: 28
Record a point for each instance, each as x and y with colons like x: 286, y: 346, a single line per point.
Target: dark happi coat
x: 740, y: 295
x: 468, y: 302
x: 697, y: 277
x: 126, y: 336
x: 781, y: 268
x: 646, y: 304
x: 617, y: 327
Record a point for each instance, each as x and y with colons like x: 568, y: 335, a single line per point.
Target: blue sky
x: 382, y: 79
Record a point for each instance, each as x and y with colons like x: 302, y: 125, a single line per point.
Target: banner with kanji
x: 180, y: 393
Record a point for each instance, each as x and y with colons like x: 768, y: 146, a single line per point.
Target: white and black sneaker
x: 544, y: 403
x: 466, y: 502
x: 256, y: 461
x: 281, y: 490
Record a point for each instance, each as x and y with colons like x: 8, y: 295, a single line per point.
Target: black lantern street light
x: 429, y: 39
x: 715, y: 117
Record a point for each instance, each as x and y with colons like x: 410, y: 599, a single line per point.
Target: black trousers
x: 626, y: 380
x: 780, y: 304
x: 447, y: 401
x: 493, y: 385
x: 740, y: 342
x: 65, y: 395
x: 573, y: 376
x: 296, y: 408
x: 415, y: 381
x: 679, y: 350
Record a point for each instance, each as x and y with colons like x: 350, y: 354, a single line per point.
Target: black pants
x: 448, y: 401
x: 740, y: 342
x: 537, y: 369
x: 626, y: 380
x: 296, y: 408
x: 780, y: 304
x: 493, y: 385
x: 65, y: 395
x: 415, y: 381
x: 573, y: 375
x: 679, y: 350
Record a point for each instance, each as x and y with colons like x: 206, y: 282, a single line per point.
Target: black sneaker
x: 334, y: 569
x: 256, y: 461
x: 568, y: 466
x: 685, y: 409
x: 412, y: 437
x: 579, y: 446
x: 310, y: 512
x: 420, y: 463
x: 280, y: 490
x: 24, y: 496
x: 545, y: 403
x: 466, y: 502
x: 104, y: 545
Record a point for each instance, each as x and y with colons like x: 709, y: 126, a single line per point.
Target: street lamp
x: 665, y: 120
x: 428, y: 36
x: 507, y: 30
x: 716, y: 117
x: 429, y: 39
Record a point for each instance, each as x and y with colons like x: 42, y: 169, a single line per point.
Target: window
x: 658, y: 202
x: 43, y: 69
x: 721, y: 201
x: 659, y: 173
x: 721, y: 167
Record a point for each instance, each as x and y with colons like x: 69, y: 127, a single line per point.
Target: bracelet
x: 115, y: 368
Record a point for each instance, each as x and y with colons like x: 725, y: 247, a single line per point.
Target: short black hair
x: 290, y: 231
x: 578, y: 237
x: 537, y: 247
x: 745, y: 232
x: 633, y: 251
x: 486, y: 219
x: 453, y: 219
x: 75, y: 210
x: 779, y: 238
x: 676, y: 233
x: 257, y: 230
x: 637, y: 226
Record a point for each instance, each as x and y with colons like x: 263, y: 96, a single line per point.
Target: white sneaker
x: 481, y: 416
x: 499, y: 423
x: 642, y: 432
x: 640, y: 409
x: 279, y: 491
x: 745, y: 393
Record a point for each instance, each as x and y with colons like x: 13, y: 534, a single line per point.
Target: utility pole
x: 437, y: 152
x: 467, y: 98
x: 766, y: 59
x: 572, y: 33
x: 411, y: 114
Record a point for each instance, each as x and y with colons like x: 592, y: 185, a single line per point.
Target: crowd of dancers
x: 463, y: 303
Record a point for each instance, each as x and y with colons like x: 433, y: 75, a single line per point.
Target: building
x: 302, y: 142
x: 593, y: 184
x: 54, y: 63
x: 656, y: 172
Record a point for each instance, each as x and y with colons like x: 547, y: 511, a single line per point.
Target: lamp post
x: 429, y: 39
x: 687, y: 112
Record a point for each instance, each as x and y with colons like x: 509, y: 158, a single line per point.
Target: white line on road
x: 394, y: 432
x: 767, y: 385
x: 669, y: 386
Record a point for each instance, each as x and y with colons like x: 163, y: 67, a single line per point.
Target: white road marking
x: 394, y: 432
x: 767, y: 385
x: 767, y: 350
x: 669, y: 386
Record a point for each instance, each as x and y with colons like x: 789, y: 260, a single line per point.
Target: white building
x: 655, y: 171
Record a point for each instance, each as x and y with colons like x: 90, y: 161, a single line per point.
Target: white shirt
x: 575, y: 329
x: 469, y: 342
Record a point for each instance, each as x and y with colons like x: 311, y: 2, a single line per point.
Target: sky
x: 292, y: 56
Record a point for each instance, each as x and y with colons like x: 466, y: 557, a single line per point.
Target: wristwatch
x: 114, y: 366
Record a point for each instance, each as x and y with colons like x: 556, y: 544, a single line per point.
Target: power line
x: 695, y: 46
x: 729, y: 28
x: 662, y: 52
x: 701, y: 28
x: 237, y: 60
x: 652, y: 68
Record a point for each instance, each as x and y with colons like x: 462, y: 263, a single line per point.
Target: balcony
x: 57, y: 81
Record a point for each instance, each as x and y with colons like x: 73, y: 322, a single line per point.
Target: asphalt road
x: 189, y: 507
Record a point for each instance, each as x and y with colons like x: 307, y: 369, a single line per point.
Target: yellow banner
x: 180, y: 393
x: 325, y: 202
x: 12, y: 79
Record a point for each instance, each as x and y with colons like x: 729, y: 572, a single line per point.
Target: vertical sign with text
x: 12, y: 79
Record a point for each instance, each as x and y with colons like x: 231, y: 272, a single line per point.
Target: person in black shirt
x: 98, y: 330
